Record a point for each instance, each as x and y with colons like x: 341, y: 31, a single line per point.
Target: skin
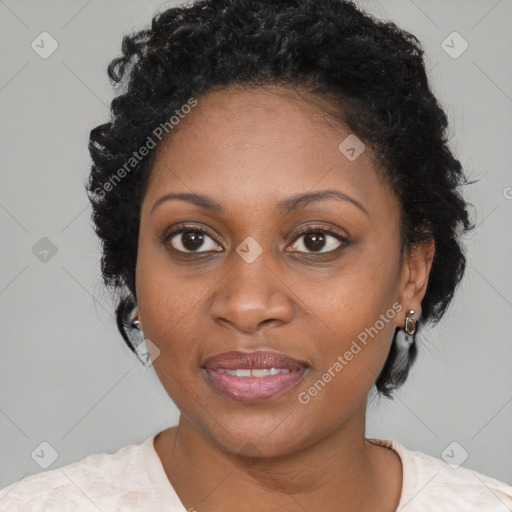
x: 249, y: 149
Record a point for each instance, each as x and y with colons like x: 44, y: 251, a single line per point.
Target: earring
x: 405, y: 336
x: 136, y: 336
x: 402, y: 353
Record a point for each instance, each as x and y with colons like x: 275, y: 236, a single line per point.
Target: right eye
x: 190, y: 239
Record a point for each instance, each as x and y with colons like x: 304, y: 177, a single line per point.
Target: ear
x: 414, y: 277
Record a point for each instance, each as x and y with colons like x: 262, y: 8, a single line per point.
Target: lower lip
x: 254, y: 389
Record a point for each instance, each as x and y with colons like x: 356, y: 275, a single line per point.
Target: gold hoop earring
x: 405, y: 336
x: 410, y: 322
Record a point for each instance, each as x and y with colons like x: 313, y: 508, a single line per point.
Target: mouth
x: 253, y: 376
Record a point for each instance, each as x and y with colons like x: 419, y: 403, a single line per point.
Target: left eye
x: 191, y: 240
x: 315, y: 240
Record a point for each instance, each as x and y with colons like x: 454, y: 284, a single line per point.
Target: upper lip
x: 236, y: 359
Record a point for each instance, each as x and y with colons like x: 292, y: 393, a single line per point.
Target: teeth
x: 256, y: 372
x: 259, y: 373
x: 241, y: 373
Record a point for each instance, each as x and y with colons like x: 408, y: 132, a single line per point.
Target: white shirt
x: 133, y: 478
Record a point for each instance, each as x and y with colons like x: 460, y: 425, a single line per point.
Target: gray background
x: 67, y: 377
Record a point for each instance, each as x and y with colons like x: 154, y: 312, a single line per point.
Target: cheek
x: 352, y: 300
x: 350, y: 358
x: 169, y: 311
x: 164, y: 295
x: 355, y: 312
x: 165, y: 304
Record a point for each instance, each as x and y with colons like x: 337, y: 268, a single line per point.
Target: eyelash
x: 308, y: 230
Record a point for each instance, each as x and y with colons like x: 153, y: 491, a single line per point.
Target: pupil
x: 192, y: 240
x: 317, y: 239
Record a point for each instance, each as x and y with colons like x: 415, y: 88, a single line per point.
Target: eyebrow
x: 284, y: 206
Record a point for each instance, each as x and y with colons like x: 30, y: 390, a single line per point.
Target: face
x: 243, y: 275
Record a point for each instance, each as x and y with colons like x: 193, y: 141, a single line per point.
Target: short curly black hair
x: 369, y: 71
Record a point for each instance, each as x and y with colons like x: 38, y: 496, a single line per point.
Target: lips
x: 253, y: 376
x: 248, y: 360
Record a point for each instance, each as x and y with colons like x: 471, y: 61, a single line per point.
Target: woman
x: 280, y: 214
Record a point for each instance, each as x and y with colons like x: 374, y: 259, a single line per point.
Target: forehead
x: 255, y: 147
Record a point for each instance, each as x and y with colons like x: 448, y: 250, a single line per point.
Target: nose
x: 252, y: 297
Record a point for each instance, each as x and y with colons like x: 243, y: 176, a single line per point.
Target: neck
x: 342, y: 468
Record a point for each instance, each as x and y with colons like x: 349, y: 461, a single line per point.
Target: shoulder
x: 102, y: 479
x: 430, y: 483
